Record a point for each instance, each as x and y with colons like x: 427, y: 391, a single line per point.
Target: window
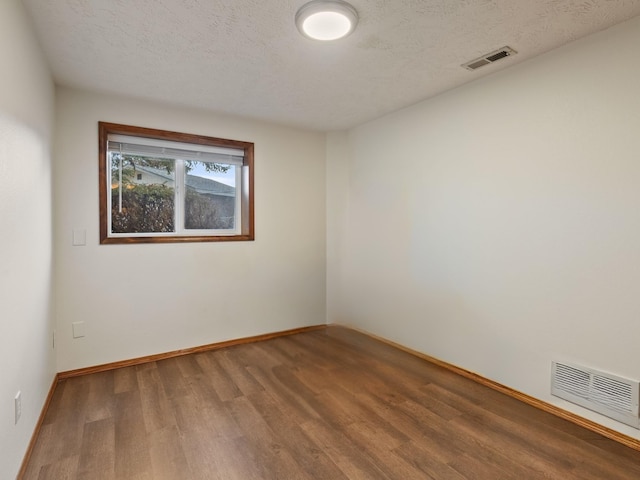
x: 158, y: 186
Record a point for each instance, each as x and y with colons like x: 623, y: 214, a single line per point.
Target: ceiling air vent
x: 608, y: 394
x: 489, y: 58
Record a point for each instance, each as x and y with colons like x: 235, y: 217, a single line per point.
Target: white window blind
x: 150, y: 147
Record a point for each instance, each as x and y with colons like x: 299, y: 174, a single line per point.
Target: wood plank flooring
x: 330, y: 404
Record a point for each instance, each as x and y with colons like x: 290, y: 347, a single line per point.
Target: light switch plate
x: 78, y: 329
x: 79, y: 236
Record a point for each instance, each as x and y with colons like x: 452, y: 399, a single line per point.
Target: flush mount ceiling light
x: 326, y: 19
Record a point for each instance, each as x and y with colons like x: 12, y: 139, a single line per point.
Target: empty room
x: 291, y: 239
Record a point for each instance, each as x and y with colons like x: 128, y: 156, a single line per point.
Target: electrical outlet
x: 17, y: 403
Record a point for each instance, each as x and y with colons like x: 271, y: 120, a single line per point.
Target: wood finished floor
x: 331, y: 404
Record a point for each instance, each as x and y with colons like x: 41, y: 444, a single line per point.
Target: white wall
x: 497, y: 226
x: 27, y: 361
x: 138, y: 300
x: 337, y: 201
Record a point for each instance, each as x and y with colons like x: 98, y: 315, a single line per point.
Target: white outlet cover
x: 18, y: 406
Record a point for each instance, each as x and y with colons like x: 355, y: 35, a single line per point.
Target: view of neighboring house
x: 202, y: 185
x: 208, y: 203
x: 220, y: 194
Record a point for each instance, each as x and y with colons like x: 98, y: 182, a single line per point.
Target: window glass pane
x: 210, y: 199
x: 142, y: 194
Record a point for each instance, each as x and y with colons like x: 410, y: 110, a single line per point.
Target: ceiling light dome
x: 326, y: 19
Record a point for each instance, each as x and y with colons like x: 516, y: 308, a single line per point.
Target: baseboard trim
x: 523, y: 397
x: 187, y: 351
x: 36, y: 430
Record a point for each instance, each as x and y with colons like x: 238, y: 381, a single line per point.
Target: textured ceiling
x: 246, y: 57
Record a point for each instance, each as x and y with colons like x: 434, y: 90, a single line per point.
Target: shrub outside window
x: 159, y: 186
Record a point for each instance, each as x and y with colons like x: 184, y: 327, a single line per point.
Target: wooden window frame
x: 246, y: 194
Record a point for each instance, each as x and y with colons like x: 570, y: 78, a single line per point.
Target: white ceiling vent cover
x: 491, y: 57
x: 608, y: 394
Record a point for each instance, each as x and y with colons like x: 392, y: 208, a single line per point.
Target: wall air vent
x: 489, y: 58
x: 608, y: 394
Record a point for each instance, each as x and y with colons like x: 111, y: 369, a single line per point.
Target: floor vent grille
x: 489, y: 58
x: 608, y: 394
